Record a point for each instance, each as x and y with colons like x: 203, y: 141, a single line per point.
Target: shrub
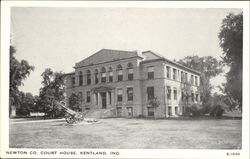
x: 217, y: 110
x: 193, y: 110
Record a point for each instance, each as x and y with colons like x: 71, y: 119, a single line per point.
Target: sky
x: 57, y: 38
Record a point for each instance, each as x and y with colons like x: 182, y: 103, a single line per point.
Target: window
x: 192, y: 79
x: 110, y: 74
x: 150, y: 111
x: 151, y: 72
x: 130, y: 111
x: 192, y: 95
x: 88, y: 97
x: 103, y: 74
x: 80, y: 78
x: 186, y: 77
x: 119, y: 95
x: 196, y: 80
x: 197, y: 97
x: 119, y: 72
x: 96, y: 76
x: 88, y: 77
x: 72, y: 81
x: 168, y: 72
x: 175, y: 94
x: 130, y: 71
x: 130, y: 93
x: 174, y: 74
x: 150, y: 92
x: 169, y: 92
x: 182, y: 95
x: 130, y: 74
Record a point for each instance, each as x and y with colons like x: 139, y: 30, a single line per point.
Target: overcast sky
x: 57, y: 38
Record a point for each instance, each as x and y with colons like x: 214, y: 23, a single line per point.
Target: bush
x: 193, y: 110
x: 217, y: 110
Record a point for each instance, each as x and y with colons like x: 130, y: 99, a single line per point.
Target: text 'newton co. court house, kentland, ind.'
x: 118, y: 83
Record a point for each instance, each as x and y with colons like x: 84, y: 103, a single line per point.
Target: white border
x: 124, y: 153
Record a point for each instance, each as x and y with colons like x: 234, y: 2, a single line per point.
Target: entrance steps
x: 100, y: 113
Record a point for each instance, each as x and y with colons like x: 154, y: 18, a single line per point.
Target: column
x: 112, y: 98
x: 107, y: 99
x: 99, y: 100
x: 94, y: 99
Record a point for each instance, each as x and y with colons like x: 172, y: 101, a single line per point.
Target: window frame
x: 119, y: 96
x: 150, y: 73
x: 150, y: 93
x: 130, y: 96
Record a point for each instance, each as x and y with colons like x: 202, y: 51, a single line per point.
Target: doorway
x: 104, y: 100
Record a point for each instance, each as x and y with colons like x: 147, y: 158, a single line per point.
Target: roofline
x: 109, y: 61
x: 71, y: 73
x: 174, y: 63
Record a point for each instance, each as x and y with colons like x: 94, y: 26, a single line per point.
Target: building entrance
x: 104, y: 100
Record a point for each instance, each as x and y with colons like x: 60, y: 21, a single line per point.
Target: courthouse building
x: 123, y: 82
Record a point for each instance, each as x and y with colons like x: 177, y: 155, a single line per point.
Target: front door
x: 104, y: 100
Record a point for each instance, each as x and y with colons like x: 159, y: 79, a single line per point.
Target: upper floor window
x: 110, y: 74
x: 119, y: 72
x: 103, y: 74
x: 88, y: 77
x: 196, y: 80
x: 73, y: 81
x: 186, y: 77
x: 192, y: 79
x: 174, y: 74
x: 80, y: 78
x: 130, y: 93
x: 130, y: 71
x: 119, y: 94
x: 169, y: 91
x: 168, y: 72
x: 151, y: 72
x: 175, y: 94
x: 150, y: 92
x: 96, y: 76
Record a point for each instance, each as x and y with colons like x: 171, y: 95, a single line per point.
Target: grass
x: 129, y: 134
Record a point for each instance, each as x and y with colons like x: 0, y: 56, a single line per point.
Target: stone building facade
x: 125, y: 82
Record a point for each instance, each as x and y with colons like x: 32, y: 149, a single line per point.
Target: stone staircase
x: 100, y: 113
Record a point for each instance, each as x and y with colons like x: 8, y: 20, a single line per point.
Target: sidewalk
x: 22, y: 121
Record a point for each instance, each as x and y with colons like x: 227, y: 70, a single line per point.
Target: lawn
x: 118, y: 133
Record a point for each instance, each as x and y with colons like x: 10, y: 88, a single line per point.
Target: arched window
x: 103, y: 74
x: 110, y: 74
x: 88, y: 77
x: 96, y: 76
x: 119, y: 72
x: 80, y: 78
x: 130, y: 71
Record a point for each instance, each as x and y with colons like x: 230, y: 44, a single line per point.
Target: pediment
x: 106, y: 55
